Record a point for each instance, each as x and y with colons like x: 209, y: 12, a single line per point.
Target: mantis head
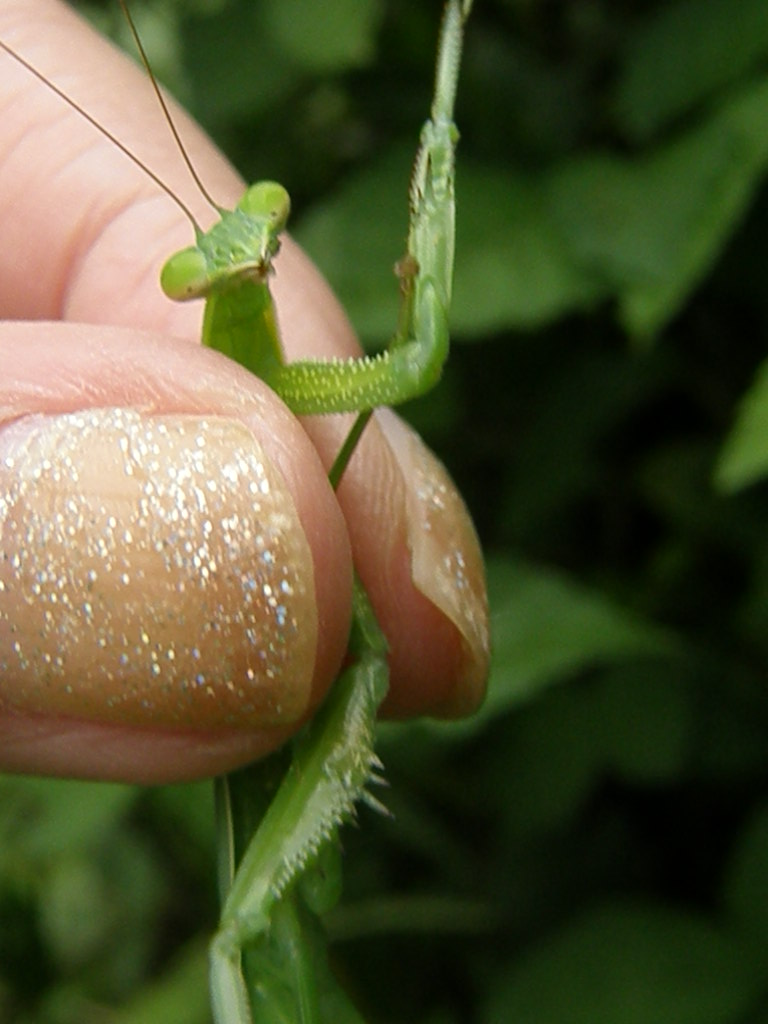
x: 240, y: 246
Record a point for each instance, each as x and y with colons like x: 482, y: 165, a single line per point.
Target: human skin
x: 87, y: 330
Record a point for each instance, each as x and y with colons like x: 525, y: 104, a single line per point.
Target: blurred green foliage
x: 592, y: 848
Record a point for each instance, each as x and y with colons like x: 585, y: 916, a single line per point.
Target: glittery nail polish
x: 153, y: 571
x: 446, y: 559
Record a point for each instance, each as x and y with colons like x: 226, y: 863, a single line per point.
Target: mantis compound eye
x: 270, y: 200
x: 185, y: 275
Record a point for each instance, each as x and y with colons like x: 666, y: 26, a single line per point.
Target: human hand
x: 125, y: 636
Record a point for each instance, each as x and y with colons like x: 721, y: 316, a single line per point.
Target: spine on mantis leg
x: 331, y: 767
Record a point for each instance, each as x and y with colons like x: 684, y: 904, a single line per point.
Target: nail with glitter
x: 446, y: 560
x: 153, y: 572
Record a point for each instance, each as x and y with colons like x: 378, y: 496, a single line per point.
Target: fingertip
x: 446, y: 567
x: 418, y: 556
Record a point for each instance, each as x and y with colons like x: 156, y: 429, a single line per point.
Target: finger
x: 175, y: 575
x: 117, y: 231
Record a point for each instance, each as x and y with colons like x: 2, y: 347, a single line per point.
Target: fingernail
x: 153, y: 571
x: 446, y: 559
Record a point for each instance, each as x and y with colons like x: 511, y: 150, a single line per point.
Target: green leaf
x: 628, y: 965
x: 511, y: 265
x: 74, y: 919
x: 744, y: 456
x: 180, y: 993
x: 645, y: 719
x: 43, y: 818
x: 512, y: 268
x: 546, y: 627
x: 552, y: 759
x: 746, y: 882
x: 233, y: 66
x: 101, y: 911
x: 685, y: 53
x: 651, y: 228
x: 324, y: 37
x: 357, y: 235
x: 645, y: 230
x: 242, y: 58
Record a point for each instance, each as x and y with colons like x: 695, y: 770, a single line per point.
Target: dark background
x: 592, y: 848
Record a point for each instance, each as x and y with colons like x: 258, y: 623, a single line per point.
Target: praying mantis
x: 333, y: 763
x: 278, y: 857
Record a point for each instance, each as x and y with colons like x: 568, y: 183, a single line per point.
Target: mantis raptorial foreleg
x: 333, y: 762
x: 230, y: 264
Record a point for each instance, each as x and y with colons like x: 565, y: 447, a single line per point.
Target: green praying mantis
x: 279, y: 860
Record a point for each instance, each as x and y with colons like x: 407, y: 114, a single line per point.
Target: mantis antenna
x: 166, y: 111
x: 113, y: 138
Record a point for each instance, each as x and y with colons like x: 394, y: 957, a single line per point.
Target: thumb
x: 175, y: 573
